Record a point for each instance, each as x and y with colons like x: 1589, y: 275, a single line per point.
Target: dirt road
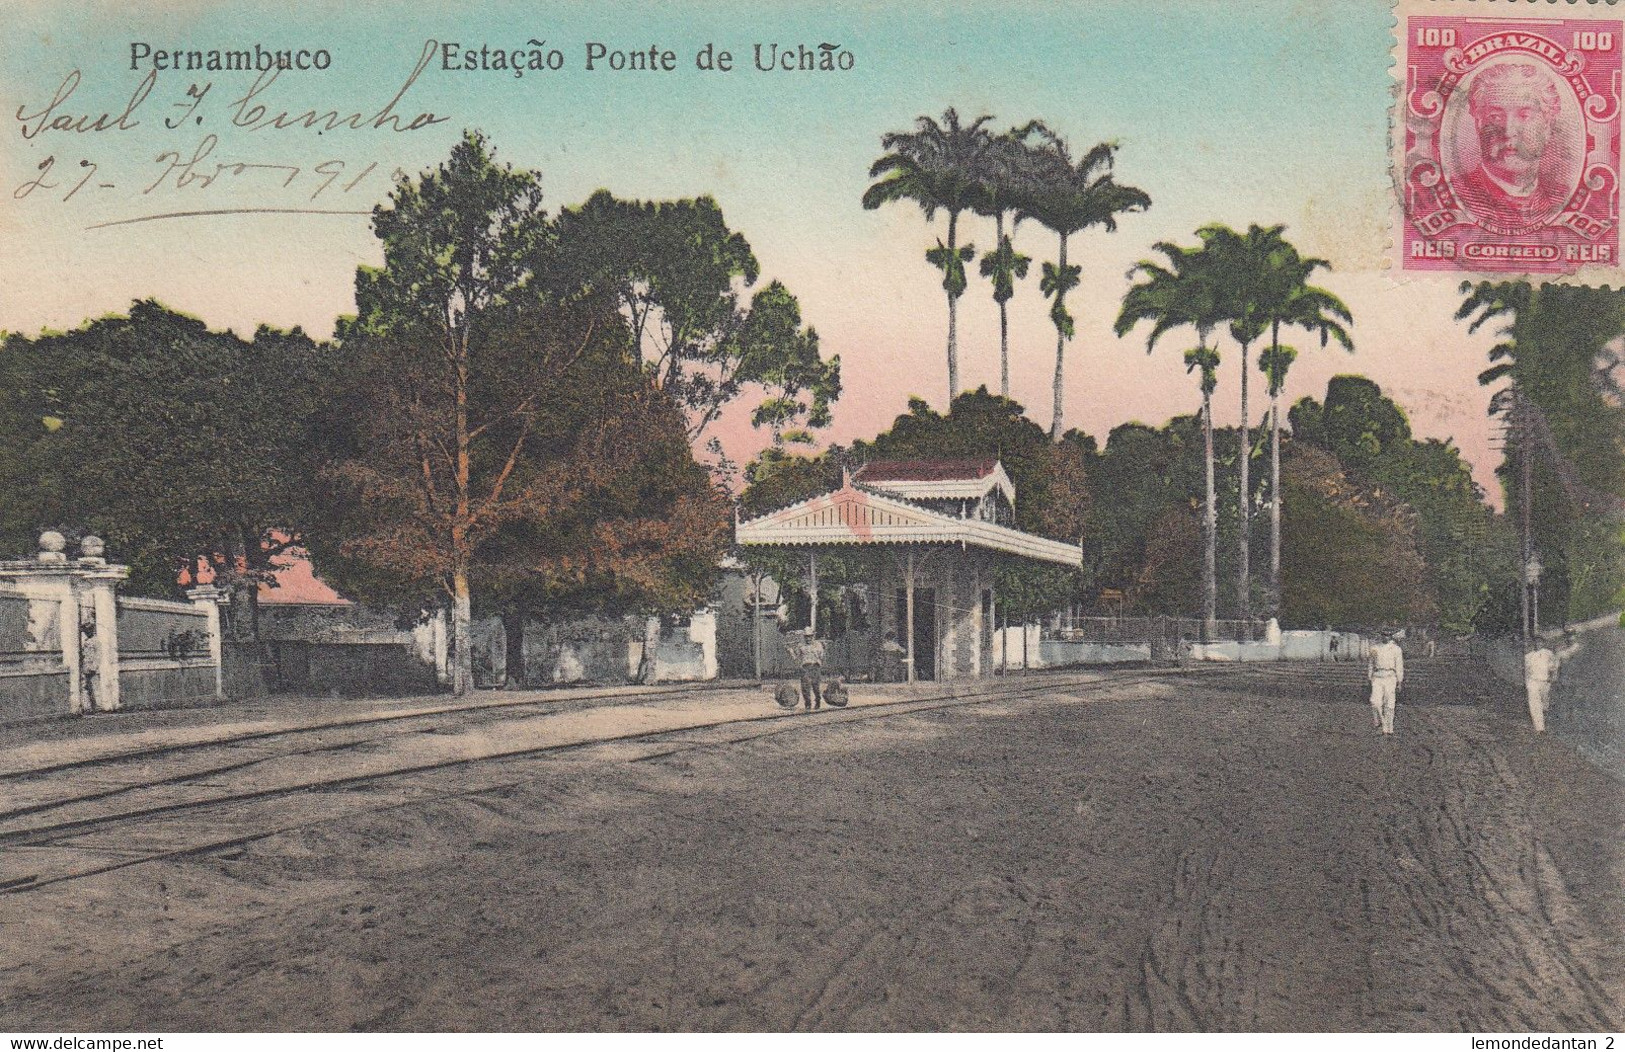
x: 1225, y: 852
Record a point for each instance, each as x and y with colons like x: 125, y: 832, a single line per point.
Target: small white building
x: 929, y: 535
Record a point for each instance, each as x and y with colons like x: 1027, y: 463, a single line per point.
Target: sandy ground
x: 1235, y: 852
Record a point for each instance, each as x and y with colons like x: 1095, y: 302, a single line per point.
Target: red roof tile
x: 296, y: 581
x: 943, y: 470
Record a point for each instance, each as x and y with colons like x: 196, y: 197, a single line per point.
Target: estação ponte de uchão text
x: 536, y: 56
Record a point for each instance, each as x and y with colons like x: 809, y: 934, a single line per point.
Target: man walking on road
x: 1385, y: 668
x: 1540, y: 667
x: 811, y: 654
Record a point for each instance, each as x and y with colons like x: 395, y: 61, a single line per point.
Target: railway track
x: 330, y: 736
x: 493, y: 708
x: 226, y: 803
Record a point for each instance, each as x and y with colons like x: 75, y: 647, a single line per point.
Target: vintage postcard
x: 840, y: 516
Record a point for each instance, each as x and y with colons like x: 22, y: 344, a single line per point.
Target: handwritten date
x: 200, y: 170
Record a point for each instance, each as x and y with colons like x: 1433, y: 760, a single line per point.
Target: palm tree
x: 1291, y: 301
x: 1241, y: 266
x: 1068, y: 198
x: 937, y: 166
x: 1181, y: 293
x: 1516, y: 303
x: 1006, y: 176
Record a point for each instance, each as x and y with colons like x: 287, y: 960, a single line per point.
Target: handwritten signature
x: 252, y: 111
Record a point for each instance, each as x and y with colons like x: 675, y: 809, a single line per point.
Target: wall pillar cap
x: 52, y: 545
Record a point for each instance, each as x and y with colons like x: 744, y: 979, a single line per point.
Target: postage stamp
x: 1507, y: 137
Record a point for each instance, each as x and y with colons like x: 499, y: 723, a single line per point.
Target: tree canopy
x: 177, y: 444
x: 682, y: 281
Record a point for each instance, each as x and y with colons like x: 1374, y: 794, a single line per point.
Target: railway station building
x: 919, y: 543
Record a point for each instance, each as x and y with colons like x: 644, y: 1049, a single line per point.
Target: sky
x: 1233, y: 111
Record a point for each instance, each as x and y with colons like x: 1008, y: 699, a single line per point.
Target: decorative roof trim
x: 855, y: 516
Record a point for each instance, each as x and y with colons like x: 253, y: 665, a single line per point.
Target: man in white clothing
x: 811, y: 655
x: 1540, y: 667
x: 1385, y: 669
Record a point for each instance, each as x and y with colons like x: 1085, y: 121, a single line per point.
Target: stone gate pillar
x: 97, y: 584
x: 207, y: 598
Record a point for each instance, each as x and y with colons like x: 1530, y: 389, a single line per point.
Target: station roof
x: 937, y: 479
x: 854, y: 515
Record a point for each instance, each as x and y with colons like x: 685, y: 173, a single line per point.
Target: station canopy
x: 855, y: 515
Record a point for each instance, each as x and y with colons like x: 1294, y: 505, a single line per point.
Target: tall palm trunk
x: 1210, y: 525
x: 1245, y: 518
x: 1275, y: 504
x: 1004, y: 320
x: 1277, y: 377
x: 953, y: 316
x: 1056, y: 422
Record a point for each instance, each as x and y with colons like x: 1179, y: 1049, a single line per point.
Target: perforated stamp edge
x: 1411, y: 111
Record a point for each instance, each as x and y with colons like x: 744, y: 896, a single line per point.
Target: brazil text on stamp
x: 1507, y: 137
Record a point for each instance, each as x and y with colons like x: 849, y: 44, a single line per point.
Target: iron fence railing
x: 1157, y: 630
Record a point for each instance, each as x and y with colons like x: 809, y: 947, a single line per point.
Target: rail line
x: 488, y: 710
x: 572, y: 703
x: 670, y: 740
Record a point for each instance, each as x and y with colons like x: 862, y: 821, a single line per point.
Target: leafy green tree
x: 181, y: 446
x: 1165, y: 581
x: 1304, y: 421
x: 1564, y: 472
x: 1350, y: 552
x: 488, y: 434
x: 1460, y: 538
x: 940, y: 167
x: 1048, y: 476
x: 1152, y: 476
x: 1068, y: 197
x: 459, y: 244
x: 1458, y: 535
x: 619, y: 518
x: 779, y: 478
x: 681, y: 278
x: 1360, y: 424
